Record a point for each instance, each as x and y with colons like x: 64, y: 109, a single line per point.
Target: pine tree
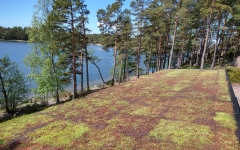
x: 138, y: 6
x: 63, y: 18
x: 109, y: 20
x: 45, y: 60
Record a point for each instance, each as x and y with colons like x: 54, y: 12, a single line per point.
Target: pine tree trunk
x: 146, y: 59
x: 124, y: 66
x: 3, y: 90
x: 120, y: 74
x: 173, y: 43
x: 221, y: 47
x: 138, y: 57
x: 198, y: 55
x: 127, y: 65
x: 150, y: 56
x: 74, y: 56
x: 237, y: 49
x: 165, y: 53
x: 174, y: 37
x: 56, y: 81
x: 114, y: 64
x: 180, y: 56
x: 86, y: 54
x: 216, y: 44
x: 81, y: 57
x: 156, y: 57
x: 159, y: 53
x: 227, y: 48
x: 179, y: 59
x: 139, y: 49
x: 207, y: 34
x: 191, y: 57
x: 98, y: 71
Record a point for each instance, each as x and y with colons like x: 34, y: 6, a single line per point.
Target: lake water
x: 18, y: 50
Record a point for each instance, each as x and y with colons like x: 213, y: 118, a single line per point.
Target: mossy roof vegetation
x: 170, y: 109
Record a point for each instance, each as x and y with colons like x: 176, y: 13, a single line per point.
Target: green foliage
x: 2, y: 141
x: 46, y: 59
x: 234, y: 74
x: 95, y: 38
x: 14, y: 33
x: 13, y: 88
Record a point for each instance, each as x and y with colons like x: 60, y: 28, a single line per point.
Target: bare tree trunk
x: 156, y: 57
x: 179, y: 59
x: 139, y: 51
x: 81, y: 57
x: 3, y: 90
x: 74, y: 56
x: 173, y: 43
x: 198, y: 55
x: 154, y: 64
x: 86, y: 53
x: 124, y: 66
x: 221, y: 47
x: 56, y: 80
x: 237, y: 49
x: 174, y: 37
x: 146, y: 59
x: 159, y: 53
x: 207, y: 34
x: 127, y: 65
x: 180, y: 56
x: 150, y: 57
x: 191, y: 57
x: 217, y: 41
x: 93, y: 62
x: 120, y: 74
x: 114, y: 64
x: 227, y: 48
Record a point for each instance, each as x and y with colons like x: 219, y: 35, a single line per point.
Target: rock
x: 236, y: 62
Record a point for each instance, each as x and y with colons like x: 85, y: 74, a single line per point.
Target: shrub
x: 234, y: 74
x: 13, y: 88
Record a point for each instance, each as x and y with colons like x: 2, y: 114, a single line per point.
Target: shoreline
x: 23, y: 41
x: 98, y: 44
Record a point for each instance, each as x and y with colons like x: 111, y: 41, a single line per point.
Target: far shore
x: 27, y: 41
x: 98, y: 44
x: 13, y: 40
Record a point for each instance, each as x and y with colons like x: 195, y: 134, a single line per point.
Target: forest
x: 148, y: 36
x: 14, y: 33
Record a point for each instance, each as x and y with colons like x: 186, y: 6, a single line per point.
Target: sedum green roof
x: 170, y: 109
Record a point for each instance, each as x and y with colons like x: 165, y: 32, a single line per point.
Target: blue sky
x: 19, y: 12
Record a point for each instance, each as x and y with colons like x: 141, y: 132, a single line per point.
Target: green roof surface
x: 170, y: 109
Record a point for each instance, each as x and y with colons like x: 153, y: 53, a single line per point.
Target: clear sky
x: 19, y: 12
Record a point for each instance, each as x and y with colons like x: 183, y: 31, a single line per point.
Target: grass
x: 170, y: 109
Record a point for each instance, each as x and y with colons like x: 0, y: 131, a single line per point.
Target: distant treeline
x: 15, y: 33
x: 95, y: 38
x: 19, y: 33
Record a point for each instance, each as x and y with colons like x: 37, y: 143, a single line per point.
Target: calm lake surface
x: 18, y: 50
